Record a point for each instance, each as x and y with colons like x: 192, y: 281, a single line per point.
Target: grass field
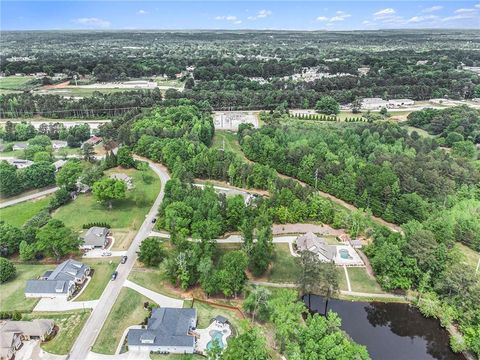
x: 471, y: 256
x: 284, y: 267
x: 361, y: 282
x: 18, y: 214
x: 342, y: 280
x: 127, y: 311
x: 123, y: 239
x: 152, y: 279
x: 206, y: 312
x: 15, y: 82
x: 125, y: 214
x: 103, y: 270
x: 80, y: 92
x: 12, y: 292
x: 69, y: 323
x: 230, y: 140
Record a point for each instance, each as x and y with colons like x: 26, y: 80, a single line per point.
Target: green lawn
x: 102, y: 273
x: 152, y: 279
x: 18, y: 214
x: 15, y: 82
x: 284, y: 267
x: 127, y: 311
x: 12, y: 292
x: 125, y: 214
x: 69, y: 323
x: 361, y: 282
x: 206, y: 312
x: 342, y: 280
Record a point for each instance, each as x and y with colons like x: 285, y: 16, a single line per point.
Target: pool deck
x: 204, y: 336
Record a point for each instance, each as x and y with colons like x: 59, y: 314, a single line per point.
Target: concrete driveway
x: 161, y: 300
x: 47, y: 304
x: 31, y: 350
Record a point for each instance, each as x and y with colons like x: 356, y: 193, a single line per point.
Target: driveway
x: 28, y: 197
x: 47, y: 304
x: 88, y: 335
x: 31, y: 350
x: 162, y: 300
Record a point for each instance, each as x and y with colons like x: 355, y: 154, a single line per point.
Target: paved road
x: 28, y: 197
x: 90, y: 331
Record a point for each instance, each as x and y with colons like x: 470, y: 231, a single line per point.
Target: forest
x: 224, y: 68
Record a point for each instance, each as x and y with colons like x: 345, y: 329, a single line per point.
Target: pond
x: 389, y: 330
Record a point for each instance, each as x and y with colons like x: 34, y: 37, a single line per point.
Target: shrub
x: 99, y: 224
x: 7, y: 270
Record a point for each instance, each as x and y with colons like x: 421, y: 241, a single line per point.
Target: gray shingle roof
x: 95, y: 236
x: 48, y: 286
x: 58, y: 281
x: 166, y: 327
x: 313, y: 243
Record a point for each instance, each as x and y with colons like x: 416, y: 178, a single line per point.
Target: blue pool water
x: 344, y: 253
x: 215, y: 334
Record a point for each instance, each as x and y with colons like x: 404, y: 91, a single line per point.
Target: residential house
x: 169, y: 330
x: 123, y: 177
x: 94, y: 140
x: 313, y: 243
x: 19, y: 163
x: 95, y: 237
x: 19, y: 146
x: 13, y: 333
x: 59, y: 164
x: 58, y: 283
x: 58, y: 144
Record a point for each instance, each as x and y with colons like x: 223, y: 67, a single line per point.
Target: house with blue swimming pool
x: 169, y: 330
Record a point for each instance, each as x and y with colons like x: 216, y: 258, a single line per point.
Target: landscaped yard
x: 102, y: 273
x: 284, y: 268
x: 12, y: 292
x: 342, y: 280
x: 361, y: 282
x: 69, y: 323
x: 18, y: 214
x: 127, y: 311
x: 206, y: 312
x: 125, y: 214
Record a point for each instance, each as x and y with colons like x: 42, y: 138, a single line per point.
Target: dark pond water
x: 389, y: 331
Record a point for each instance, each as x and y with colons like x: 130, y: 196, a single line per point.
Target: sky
x: 261, y: 15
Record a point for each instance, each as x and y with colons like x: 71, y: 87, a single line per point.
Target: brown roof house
x: 313, y: 243
x: 13, y: 333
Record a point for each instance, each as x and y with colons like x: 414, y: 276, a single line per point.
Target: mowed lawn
x: 15, y: 82
x: 125, y: 214
x: 127, y: 311
x: 102, y: 273
x: 69, y: 326
x: 206, y: 312
x: 361, y: 282
x: 153, y: 279
x: 18, y: 214
x: 284, y: 268
x: 12, y: 292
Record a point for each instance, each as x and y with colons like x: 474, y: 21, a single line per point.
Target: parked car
x: 114, y: 275
x: 106, y: 253
x: 154, y: 220
x: 124, y: 259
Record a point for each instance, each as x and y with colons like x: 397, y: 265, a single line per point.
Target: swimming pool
x: 344, y: 254
x: 218, y: 335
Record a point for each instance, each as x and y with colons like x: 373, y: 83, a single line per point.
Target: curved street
x: 94, y: 324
